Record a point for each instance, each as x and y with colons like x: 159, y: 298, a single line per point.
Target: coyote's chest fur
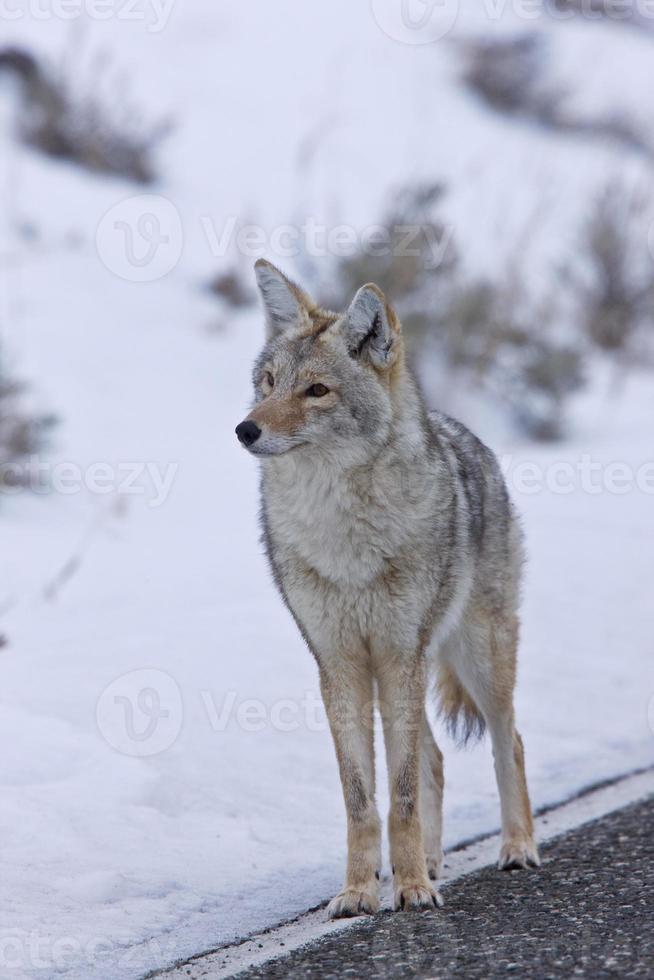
x: 357, y: 553
x: 348, y: 528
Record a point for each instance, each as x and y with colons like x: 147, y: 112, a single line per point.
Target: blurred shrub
x: 614, y: 287
x: 58, y: 120
x: 411, y: 258
x: 21, y: 433
x: 528, y: 354
x: 509, y: 75
x: 501, y: 339
x: 492, y: 333
x: 232, y: 288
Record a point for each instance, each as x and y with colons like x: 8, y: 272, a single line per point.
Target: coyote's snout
x: 395, y: 546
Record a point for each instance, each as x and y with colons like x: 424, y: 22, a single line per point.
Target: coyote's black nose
x: 247, y: 432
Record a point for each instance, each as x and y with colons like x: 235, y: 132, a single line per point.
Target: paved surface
x: 588, y: 912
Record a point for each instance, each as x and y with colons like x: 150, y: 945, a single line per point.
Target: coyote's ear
x: 373, y: 330
x: 284, y: 302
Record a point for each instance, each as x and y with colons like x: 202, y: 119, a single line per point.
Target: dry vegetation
x: 509, y: 75
x: 230, y: 286
x: 21, y: 433
x: 56, y: 118
x: 614, y: 286
x: 491, y: 333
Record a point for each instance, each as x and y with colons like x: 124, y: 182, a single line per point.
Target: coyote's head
x: 323, y: 380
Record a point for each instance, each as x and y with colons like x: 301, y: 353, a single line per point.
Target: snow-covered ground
x: 167, y: 781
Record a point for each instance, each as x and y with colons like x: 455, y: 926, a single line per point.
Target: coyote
x: 394, y: 545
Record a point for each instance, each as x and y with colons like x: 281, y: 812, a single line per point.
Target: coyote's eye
x: 317, y: 391
x: 269, y: 381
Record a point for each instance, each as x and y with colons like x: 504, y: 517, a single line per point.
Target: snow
x: 228, y: 817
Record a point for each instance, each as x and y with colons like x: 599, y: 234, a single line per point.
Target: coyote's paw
x: 352, y: 901
x: 417, y: 898
x: 434, y: 865
x: 518, y: 854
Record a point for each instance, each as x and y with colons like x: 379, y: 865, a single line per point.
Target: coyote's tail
x: 462, y: 717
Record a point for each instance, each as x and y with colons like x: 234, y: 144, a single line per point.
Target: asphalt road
x: 588, y: 912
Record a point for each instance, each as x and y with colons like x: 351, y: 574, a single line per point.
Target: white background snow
x: 231, y: 819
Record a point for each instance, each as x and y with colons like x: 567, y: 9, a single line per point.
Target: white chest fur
x: 345, y: 526
x: 323, y: 522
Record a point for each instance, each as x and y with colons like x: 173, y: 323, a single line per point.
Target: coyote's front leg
x: 347, y: 691
x: 402, y: 705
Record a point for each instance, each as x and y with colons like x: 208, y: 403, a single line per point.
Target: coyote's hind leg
x: 431, y: 801
x: 486, y: 664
